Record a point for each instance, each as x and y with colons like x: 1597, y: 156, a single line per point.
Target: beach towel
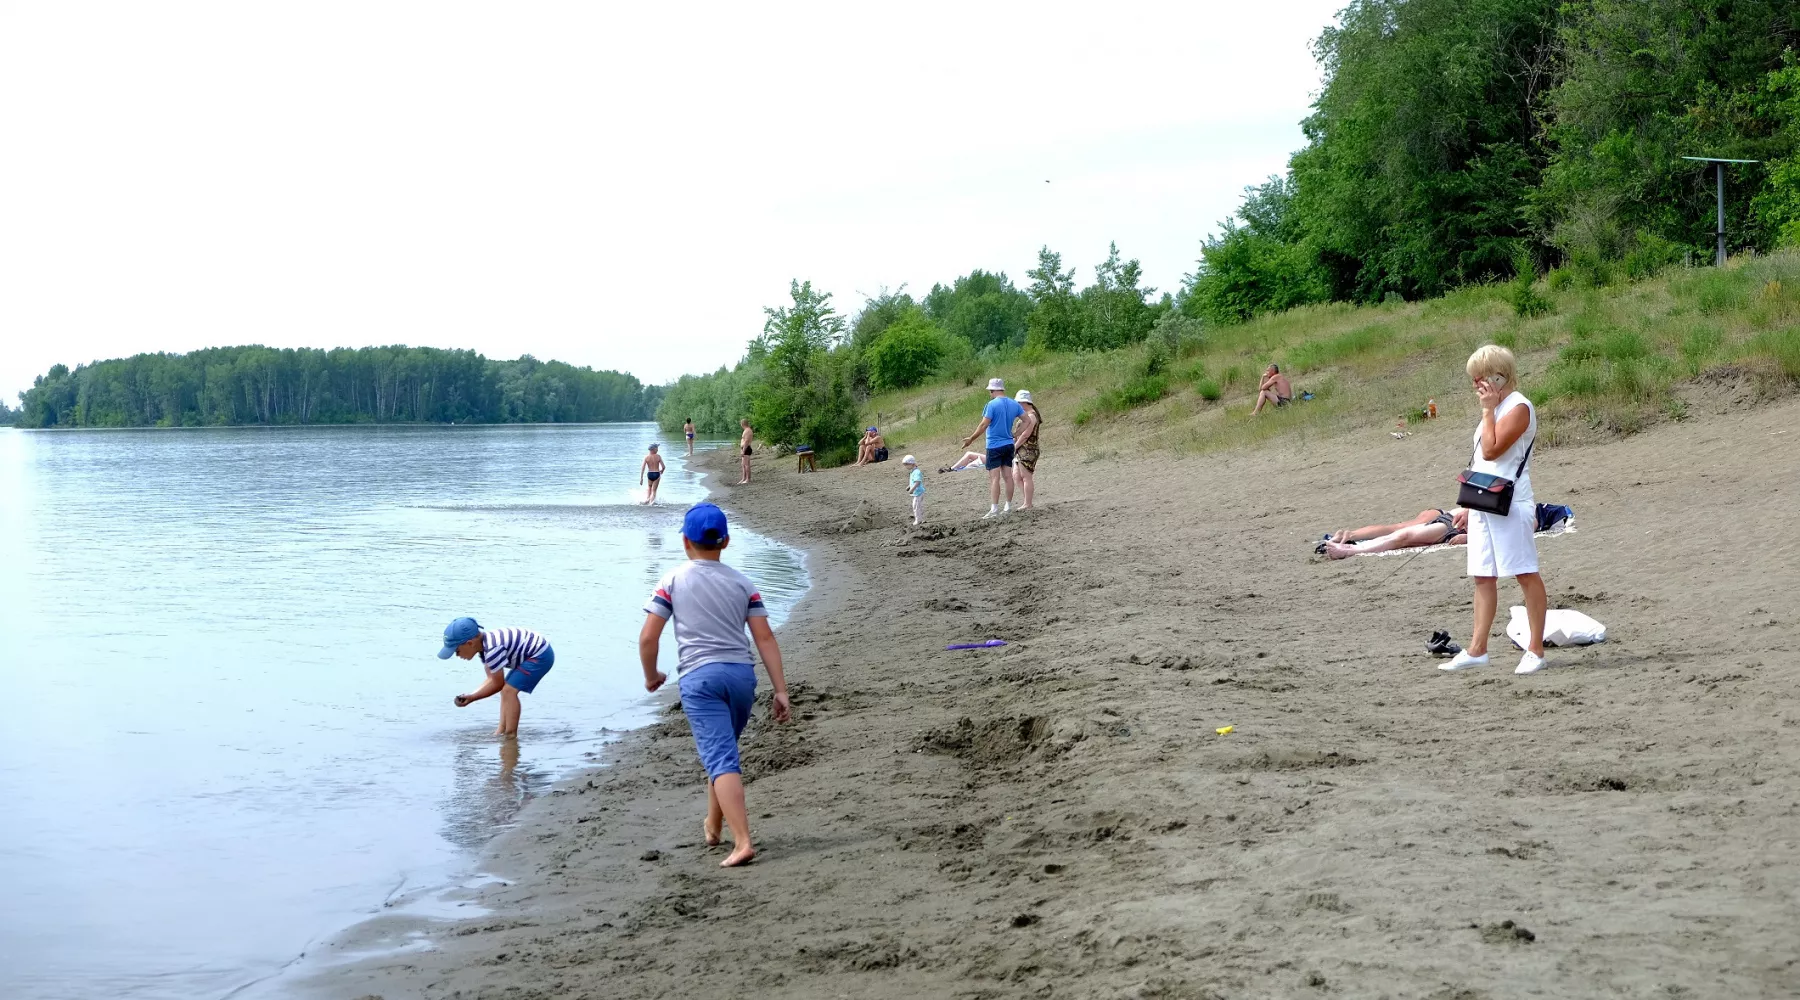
x: 1562, y: 627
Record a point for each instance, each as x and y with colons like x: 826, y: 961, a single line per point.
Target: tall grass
x: 1597, y: 360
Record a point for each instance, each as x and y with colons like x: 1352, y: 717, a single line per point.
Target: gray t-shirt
x: 712, y: 604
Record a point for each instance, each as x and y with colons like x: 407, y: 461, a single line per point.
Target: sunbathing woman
x: 970, y: 460
x: 1431, y: 527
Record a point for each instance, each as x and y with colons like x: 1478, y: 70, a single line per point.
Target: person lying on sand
x: 711, y: 604
x: 970, y: 460
x: 1434, y: 526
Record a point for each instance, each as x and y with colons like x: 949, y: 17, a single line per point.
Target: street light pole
x: 1719, y: 229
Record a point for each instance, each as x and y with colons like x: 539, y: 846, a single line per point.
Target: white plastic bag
x: 1562, y: 627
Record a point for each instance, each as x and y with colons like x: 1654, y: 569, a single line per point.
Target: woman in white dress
x: 1503, y: 545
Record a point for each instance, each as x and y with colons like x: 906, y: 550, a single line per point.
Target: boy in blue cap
x: 712, y: 604
x: 515, y: 660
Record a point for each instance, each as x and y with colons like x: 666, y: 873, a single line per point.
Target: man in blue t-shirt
x: 997, y: 419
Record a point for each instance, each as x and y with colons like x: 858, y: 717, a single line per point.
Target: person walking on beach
x: 687, y: 427
x: 1502, y: 544
x: 711, y: 604
x: 653, y: 467
x: 744, y: 449
x: 515, y: 660
x: 915, y: 488
x: 1025, y: 453
x: 997, y: 420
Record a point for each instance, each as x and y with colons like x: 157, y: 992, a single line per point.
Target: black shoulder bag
x: 1489, y: 493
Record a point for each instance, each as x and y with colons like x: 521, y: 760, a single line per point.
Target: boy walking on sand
x: 515, y: 660
x: 915, y: 488
x: 712, y: 604
x: 652, y: 467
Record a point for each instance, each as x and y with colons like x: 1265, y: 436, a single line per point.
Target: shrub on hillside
x: 905, y: 354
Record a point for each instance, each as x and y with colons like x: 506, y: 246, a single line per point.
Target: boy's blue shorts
x: 716, y: 699
x: 526, y: 675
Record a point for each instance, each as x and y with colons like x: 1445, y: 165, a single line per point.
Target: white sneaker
x: 1463, y: 661
x: 1530, y: 663
x: 1007, y: 509
x: 992, y: 512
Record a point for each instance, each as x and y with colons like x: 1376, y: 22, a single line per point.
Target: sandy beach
x: 1059, y: 818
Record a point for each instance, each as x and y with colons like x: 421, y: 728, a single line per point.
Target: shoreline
x: 1058, y: 818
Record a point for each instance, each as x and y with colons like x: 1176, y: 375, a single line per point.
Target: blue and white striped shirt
x: 504, y: 649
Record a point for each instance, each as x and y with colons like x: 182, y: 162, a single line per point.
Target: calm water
x: 229, y: 733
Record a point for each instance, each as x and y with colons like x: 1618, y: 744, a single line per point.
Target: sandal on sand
x: 1440, y: 645
x: 1319, y: 549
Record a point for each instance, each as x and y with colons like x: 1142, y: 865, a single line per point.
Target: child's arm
x: 649, y: 643
x: 490, y: 687
x: 771, y: 657
x: 641, y: 466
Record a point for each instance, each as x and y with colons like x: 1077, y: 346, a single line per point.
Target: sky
x: 621, y: 186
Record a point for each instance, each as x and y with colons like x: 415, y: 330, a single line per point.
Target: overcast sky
x: 623, y: 186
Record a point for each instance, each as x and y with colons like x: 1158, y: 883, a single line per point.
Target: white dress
x: 1504, y: 546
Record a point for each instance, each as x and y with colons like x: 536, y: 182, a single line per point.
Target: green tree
x: 879, y: 313
x: 1113, y: 309
x: 1263, y: 265
x: 907, y: 352
x: 1055, y: 319
x: 982, y: 308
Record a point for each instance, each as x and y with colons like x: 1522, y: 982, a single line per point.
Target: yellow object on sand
x: 1224, y: 730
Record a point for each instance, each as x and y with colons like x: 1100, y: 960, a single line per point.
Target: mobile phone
x: 1496, y: 380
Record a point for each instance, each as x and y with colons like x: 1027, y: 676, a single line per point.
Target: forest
x: 1453, y: 143
x: 263, y: 385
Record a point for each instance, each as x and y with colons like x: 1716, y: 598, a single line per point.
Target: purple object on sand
x: 978, y: 645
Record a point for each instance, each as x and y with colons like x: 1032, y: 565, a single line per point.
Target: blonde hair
x: 1493, y: 359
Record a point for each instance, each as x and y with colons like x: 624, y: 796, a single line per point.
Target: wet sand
x: 1058, y: 817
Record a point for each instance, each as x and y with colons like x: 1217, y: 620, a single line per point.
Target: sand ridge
x: 1058, y: 817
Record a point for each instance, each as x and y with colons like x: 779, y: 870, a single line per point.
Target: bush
x: 1782, y: 346
x: 1209, y: 390
x: 905, y: 354
x: 1140, y: 391
x: 1523, y: 294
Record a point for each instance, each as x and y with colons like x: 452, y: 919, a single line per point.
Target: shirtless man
x: 1432, y: 527
x: 1274, y: 389
x: 653, y: 467
x: 744, y: 450
x: 865, y: 449
x: 687, y: 427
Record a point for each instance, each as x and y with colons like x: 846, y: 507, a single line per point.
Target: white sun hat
x: 909, y: 460
x: 996, y: 385
x: 1024, y: 396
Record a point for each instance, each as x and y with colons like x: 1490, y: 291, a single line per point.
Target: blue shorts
x: 654, y: 476
x: 526, y: 675
x: 716, y: 699
x: 999, y: 458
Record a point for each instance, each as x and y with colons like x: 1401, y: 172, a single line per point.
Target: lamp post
x: 1720, y: 167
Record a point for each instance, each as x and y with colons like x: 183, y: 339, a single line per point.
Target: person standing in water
x: 652, y: 467
x: 687, y: 427
x: 744, y: 449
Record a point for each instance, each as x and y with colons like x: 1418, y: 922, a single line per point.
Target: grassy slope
x: 1604, y: 362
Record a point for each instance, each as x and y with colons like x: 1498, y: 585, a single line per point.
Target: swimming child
x: 712, y: 604
x: 915, y: 488
x: 515, y: 660
x: 652, y: 467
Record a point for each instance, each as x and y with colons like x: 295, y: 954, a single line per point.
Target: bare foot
x: 711, y: 832
x: 1339, y: 550
x: 740, y: 855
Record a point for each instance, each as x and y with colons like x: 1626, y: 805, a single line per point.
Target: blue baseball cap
x: 456, y: 633
x: 704, y: 525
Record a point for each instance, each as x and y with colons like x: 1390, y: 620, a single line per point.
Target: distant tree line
x: 1460, y: 141
x: 262, y: 385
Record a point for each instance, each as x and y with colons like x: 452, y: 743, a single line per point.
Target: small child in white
x: 915, y: 488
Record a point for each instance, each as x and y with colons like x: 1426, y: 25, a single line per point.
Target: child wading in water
x: 915, y: 488
x: 652, y: 467
x: 515, y: 660
x: 711, y: 604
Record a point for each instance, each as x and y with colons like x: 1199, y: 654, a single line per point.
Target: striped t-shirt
x: 505, y: 648
x: 712, y: 604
